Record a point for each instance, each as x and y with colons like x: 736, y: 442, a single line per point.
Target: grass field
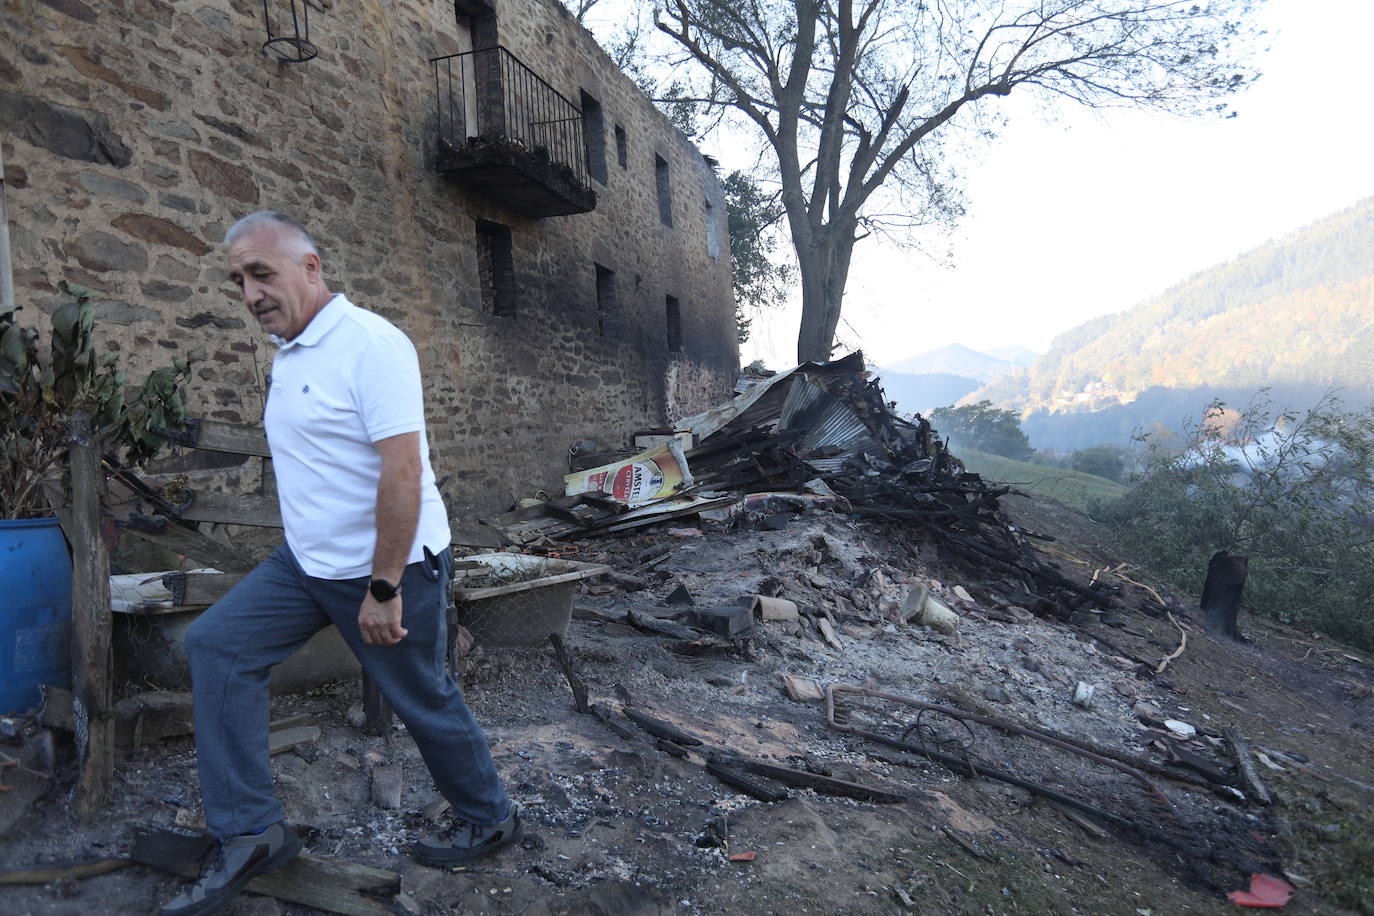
x: 1072, y: 488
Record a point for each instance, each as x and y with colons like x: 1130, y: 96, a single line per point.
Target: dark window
x: 607, y: 304
x: 621, y: 147
x: 594, y: 135
x: 495, y: 268
x: 665, y: 191
x: 674, y: 316
x: 712, y: 230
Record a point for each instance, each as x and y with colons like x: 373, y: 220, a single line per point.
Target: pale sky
x: 1096, y: 212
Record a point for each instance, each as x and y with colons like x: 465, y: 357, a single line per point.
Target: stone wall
x: 136, y: 131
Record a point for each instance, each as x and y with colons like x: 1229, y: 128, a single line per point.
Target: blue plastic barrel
x: 35, y: 611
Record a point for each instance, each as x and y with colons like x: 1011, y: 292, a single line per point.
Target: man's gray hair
x: 301, y: 241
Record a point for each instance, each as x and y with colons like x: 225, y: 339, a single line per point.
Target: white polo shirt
x: 349, y: 379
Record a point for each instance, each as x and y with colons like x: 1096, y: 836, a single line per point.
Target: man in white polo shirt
x: 366, y: 549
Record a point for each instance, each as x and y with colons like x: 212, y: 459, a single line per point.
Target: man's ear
x: 313, y: 266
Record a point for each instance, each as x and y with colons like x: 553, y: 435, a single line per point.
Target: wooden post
x: 376, y: 710
x: 91, y: 622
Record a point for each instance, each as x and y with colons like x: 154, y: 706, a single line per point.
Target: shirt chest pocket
x: 307, y: 399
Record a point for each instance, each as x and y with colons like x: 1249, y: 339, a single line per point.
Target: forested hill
x: 1295, y: 313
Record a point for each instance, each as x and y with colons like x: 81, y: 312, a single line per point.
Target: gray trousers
x: 272, y: 613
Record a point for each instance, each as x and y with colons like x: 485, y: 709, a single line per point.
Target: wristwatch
x: 383, y: 590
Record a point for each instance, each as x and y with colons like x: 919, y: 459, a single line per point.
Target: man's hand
x: 381, y: 622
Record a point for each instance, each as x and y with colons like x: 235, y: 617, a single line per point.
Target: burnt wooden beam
x: 611, y: 722
x: 579, y: 689
x: 377, y: 714
x: 660, y: 729
x: 826, y: 785
x: 738, y: 779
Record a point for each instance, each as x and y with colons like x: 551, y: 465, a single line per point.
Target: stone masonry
x: 136, y: 131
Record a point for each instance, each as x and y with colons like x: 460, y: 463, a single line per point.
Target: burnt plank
x: 826, y: 785
x: 745, y: 783
x: 215, y: 436
x: 660, y: 729
x: 199, y: 588
x: 325, y: 884
x: 195, y: 545
x: 230, y: 509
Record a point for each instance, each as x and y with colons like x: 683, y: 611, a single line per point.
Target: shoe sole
x: 463, y: 858
x: 277, y: 860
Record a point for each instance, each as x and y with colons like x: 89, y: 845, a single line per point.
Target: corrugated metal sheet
x: 765, y: 401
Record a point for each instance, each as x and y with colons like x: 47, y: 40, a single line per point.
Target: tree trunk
x: 1221, y: 593
x: 824, y: 273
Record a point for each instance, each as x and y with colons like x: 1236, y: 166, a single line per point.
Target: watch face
x: 382, y: 590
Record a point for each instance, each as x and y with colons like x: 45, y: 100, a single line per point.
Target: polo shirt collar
x: 320, y: 325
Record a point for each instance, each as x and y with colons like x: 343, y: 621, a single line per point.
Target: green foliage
x: 40, y: 391
x: 752, y: 216
x: 1102, y: 460
x: 983, y: 427
x: 1292, y: 491
x: 1085, y: 492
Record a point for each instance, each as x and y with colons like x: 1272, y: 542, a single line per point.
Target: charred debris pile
x: 818, y: 435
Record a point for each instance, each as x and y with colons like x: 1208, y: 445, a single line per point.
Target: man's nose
x: 252, y: 292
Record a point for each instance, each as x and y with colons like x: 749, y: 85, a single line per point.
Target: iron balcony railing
x: 491, y: 96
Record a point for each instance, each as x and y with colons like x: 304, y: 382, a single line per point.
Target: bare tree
x: 580, y: 9
x: 855, y: 97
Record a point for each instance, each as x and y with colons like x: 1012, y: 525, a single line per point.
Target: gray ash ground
x: 617, y: 826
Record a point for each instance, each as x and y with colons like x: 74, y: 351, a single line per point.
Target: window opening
x: 594, y: 135
x: 496, y: 268
x: 622, y: 146
x: 607, y: 302
x: 712, y: 230
x: 674, y: 316
x: 665, y: 191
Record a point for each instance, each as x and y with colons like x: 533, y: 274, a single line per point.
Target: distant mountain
x: 957, y: 359
x: 924, y: 392
x: 1017, y: 356
x: 1295, y: 315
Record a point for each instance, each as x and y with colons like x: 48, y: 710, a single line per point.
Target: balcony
x: 505, y: 132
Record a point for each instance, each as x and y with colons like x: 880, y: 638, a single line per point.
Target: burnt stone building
x: 553, y: 245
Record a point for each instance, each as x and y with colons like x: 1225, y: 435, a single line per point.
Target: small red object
x: 1266, y: 892
x: 743, y: 856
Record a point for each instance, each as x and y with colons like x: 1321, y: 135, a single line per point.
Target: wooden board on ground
x: 326, y: 884
x: 287, y: 738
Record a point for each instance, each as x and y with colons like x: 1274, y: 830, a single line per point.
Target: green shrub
x: 1292, y: 492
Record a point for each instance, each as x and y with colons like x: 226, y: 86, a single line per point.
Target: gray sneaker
x: 461, y: 842
x: 234, y: 863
